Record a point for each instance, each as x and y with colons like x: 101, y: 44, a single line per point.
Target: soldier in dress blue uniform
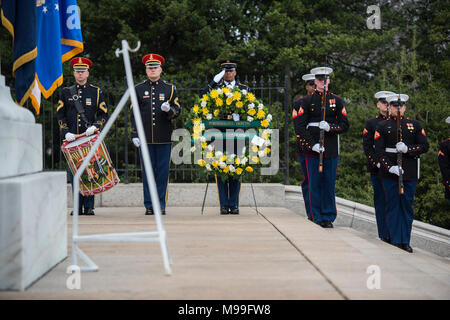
x: 410, y: 142
x: 373, y: 164
x: 228, y: 190
x: 444, y: 163
x: 308, y: 123
x: 158, y: 104
x: 71, y: 123
x: 309, y: 87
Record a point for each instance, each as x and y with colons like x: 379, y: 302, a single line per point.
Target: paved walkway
x: 276, y: 254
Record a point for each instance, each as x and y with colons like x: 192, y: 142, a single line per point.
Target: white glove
x: 70, y: 136
x: 378, y: 165
x: 395, y: 170
x: 236, y: 117
x: 316, y: 148
x: 165, y: 107
x: 324, y: 126
x: 401, y: 147
x: 136, y: 142
x: 90, y: 131
x: 219, y: 76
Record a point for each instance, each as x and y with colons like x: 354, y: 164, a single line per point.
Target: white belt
x: 312, y: 124
x: 391, y: 150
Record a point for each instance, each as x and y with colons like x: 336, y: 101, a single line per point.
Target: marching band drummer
x: 81, y: 109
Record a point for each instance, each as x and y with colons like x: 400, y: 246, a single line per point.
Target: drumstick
x: 81, y: 135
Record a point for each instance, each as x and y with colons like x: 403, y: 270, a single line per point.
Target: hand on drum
x: 70, y: 137
x: 91, y: 130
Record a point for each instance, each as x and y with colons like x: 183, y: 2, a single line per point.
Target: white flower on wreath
x: 203, y: 103
x: 249, y: 119
x: 232, y: 156
x: 202, y: 126
x: 260, y: 106
x: 232, y: 168
x: 261, y: 153
x: 251, y: 105
x: 218, y: 154
x: 208, y: 167
x: 209, y: 116
x: 222, y: 165
x: 244, y: 92
x: 193, y: 149
x: 269, y: 117
x: 210, y: 147
x: 267, y: 143
x: 244, y: 160
x: 244, y: 149
x: 220, y: 91
x: 229, y: 94
x: 203, y: 139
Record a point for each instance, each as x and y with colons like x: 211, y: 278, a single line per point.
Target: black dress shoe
x: 387, y: 240
x: 89, y: 212
x: 149, y: 211
x: 326, y: 224
x: 407, y: 248
x: 234, y: 210
x: 80, y: 213
x: 224, y: 210
x: 163, y: 212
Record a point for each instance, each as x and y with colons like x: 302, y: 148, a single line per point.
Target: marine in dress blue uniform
x: 308, y: 123
x: 444, y: 164
x: 373, y: 164
x: 71, y: 123
x: 310, y: 87
x: 410, y: 143
x: 158, y: 105
x: 229, y: 189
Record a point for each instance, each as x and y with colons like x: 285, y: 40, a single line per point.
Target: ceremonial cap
x: 81, y: 64
x: 394, y: 98
x: 308, y: 77
x: 321, y: 72
x: 229, y: 64
x: 382, y: 95
x: 152, y: 60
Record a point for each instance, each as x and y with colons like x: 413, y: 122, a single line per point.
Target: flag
x: 19, y: 18
x: 58, y: 40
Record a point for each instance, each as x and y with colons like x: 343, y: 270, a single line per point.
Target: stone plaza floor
x: 274, y: 254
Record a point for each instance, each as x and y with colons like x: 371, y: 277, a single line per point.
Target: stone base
x: 21, y: 148
x: 33, y: 227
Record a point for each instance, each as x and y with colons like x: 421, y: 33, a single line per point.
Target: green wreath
x: 220, y: 104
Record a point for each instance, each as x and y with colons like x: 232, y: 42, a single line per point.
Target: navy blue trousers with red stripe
x: 320, y: 195
x: 379, y: 201
x: 305, y: 189
x: 399, y: 210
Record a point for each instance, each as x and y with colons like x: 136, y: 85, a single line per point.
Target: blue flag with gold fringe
x: 19, y: 17
x: 58, y: 40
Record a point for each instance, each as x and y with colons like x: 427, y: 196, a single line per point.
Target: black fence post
x: 286, y: 128
x: 126, y: 138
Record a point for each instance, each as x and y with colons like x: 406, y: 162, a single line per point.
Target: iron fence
x: 272, y: 91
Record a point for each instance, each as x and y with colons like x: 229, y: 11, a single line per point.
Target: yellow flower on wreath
x: 204, y: 144
x: 205, y: 97
x: 239, y: 104
x: 267, y: 150
x: 237, y: 95
x: 195, y: 109
x: 223, y: 158
x: 255, y: 148
x: 201, y: 162
x: 214, y: 94
x: 215, y: 164
x: 237, y: 161
x: 249, y: 169
x: 225, y: 90
x: 239, y: 171
x: 251, y: 97
x: 219, y: 102
x: 251, y: 112
x: 216, y: 112
x: 205, y: 111
x: 229, y: 101
x: 226, y: 169
x: 265, y: 136
x: 261, y: 114
x: 255, y: 159
x: 265, y: 123
x: 210, y: 155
